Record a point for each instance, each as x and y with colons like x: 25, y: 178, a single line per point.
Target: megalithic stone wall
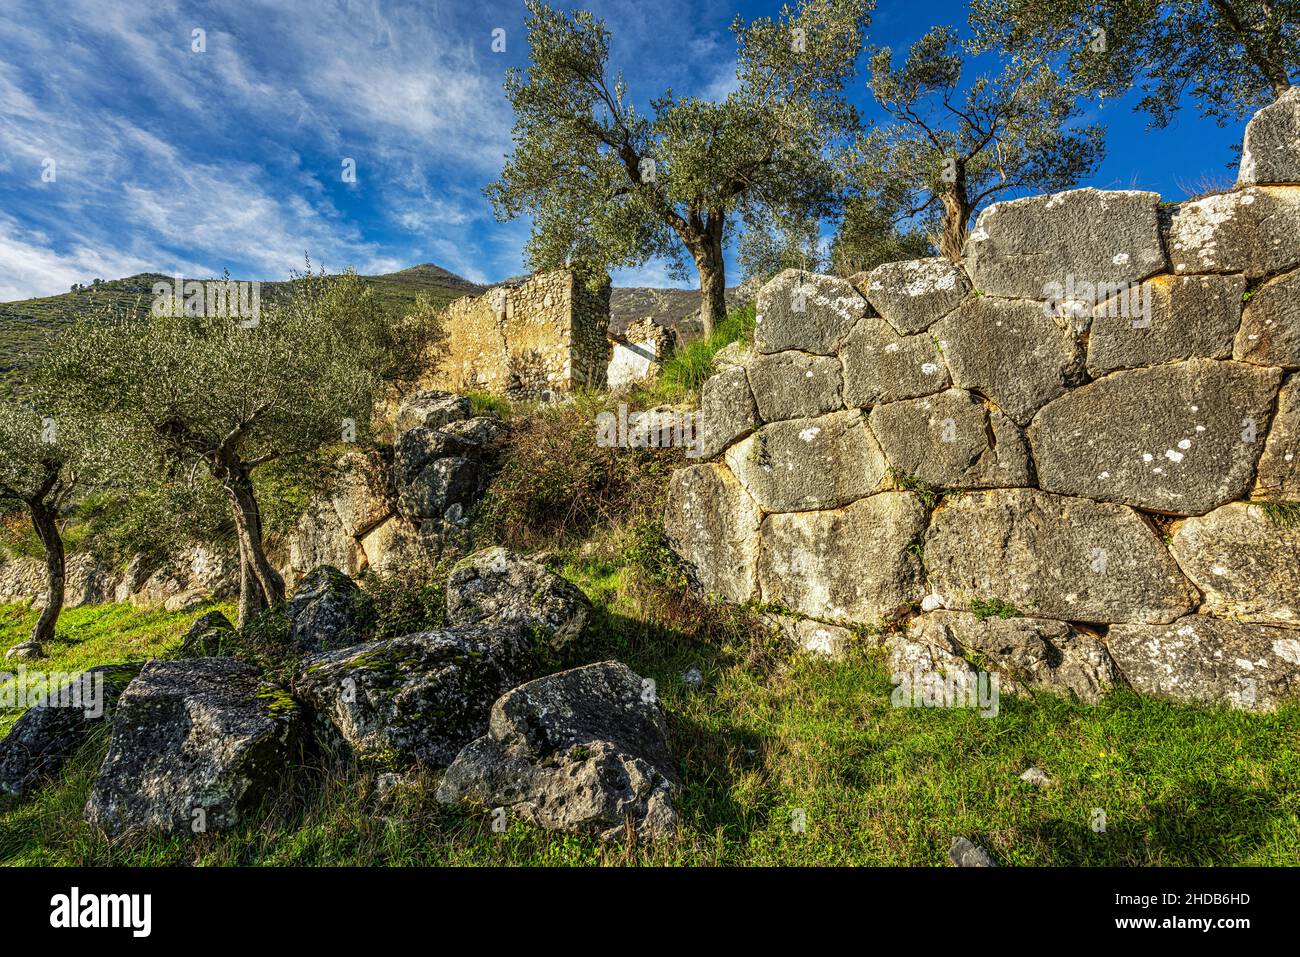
x: 548, y: 332
x: 1090, y: 428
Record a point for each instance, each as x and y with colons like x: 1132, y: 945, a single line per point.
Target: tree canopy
x: 948, y: 151
x: 1231, y: 56
x: 609, y: 186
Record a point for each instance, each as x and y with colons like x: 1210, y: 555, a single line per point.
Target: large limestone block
x: 712, y: 524
x: 1247, y: 565
x: 1166, y: 318
x: 882, y: 366
x: 1050, y: 556
x: 1255, y: 231
x: 1272, y: 146
x: 794, y: 385
x: 361, y: 495
x: 1207, y: 660
x: 951, y: 440
x: 913, y: 295
x: 1010, y: 351
x: 1019, y: 248
x: 196, y: 745
x: 496, y: 586
x: 806, y: 311
x: 1179, y: 438
x: 1278, y: 474
x: 844, y: 565
x: 809, y: 463
x: 1270, y: 324
x: 1031, y: 652
x: 727, y: 411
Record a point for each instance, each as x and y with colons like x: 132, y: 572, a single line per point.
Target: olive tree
x: 607, y: 185
x: 228, y: 395
x: 948, y: 151
x: 41, y: 462
x: 1231, y: 56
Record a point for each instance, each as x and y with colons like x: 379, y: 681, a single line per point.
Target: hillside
x: 25, y: 324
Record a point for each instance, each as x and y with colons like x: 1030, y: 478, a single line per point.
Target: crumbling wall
x: 544, y: 333
x: 1070, y: 459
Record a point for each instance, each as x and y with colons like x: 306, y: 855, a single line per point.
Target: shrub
x: 556, y: 484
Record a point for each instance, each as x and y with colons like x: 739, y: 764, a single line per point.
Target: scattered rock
x: 482, y: 431
x: 712, y: 524
x: 50, y: 731
x: 1050, y: 556
x: 496, y: 586
x: 443, y: 484
x: 431, y: 409
x: 1019, y: 248
x: 806, y: 311
x: 1181, y: 438
x: 1037, y: 653
x: 912, y: 296
x: 809, y: 463
x: 327, y: 611
x: 965, y: 854
x: 1208, y: 660
x: 196, y: 744
x: 585, y: 751
x: 420, y: 447
x: 415, y: 699
x: 692, y: 678
x: 1036, y: 777
x: 815, y: 637
x: 210, y: 636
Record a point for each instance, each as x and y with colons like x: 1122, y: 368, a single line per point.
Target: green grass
x: 685, y: 372
x: 95, y: 635
x: 1281, y: 513
x: 771, y: 733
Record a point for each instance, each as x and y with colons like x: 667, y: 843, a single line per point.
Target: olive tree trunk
x: 47, y: 530
x: 260, y: 585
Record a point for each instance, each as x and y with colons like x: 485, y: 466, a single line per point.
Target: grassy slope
x: 769, y: 733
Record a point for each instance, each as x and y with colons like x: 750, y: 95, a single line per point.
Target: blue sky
x: 169, y: 160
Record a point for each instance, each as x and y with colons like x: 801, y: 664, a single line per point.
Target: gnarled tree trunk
x: 709, y: 262
x: 956, y: 218
x: 260, y: 585
x: 44, y: 520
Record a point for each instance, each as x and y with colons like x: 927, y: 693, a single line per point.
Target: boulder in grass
x: 584, y: 751
x: 54, y: 727
x: 196, y: 745
x: 327, y: 611
x: 417, y: 699
x: 497, y: 586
